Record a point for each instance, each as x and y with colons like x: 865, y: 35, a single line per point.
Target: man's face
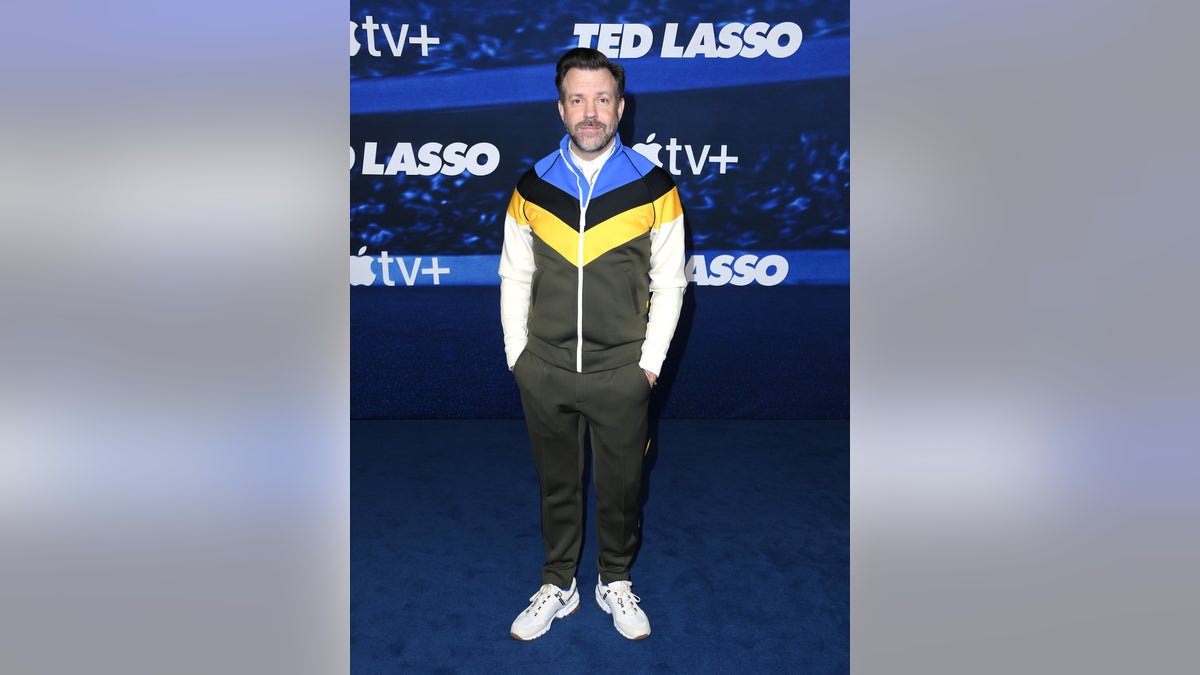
x: 590, y: 110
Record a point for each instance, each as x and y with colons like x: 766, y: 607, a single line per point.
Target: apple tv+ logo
x: 362, y: 274
x: 696, y: 161
x: 395, y: 41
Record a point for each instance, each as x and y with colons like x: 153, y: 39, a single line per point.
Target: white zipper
x: 583, y: 204
x: 579, y: 287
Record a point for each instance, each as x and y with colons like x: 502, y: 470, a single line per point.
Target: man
x: 591, y: 284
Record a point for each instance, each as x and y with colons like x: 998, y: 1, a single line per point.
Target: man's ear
x: 562, y: 112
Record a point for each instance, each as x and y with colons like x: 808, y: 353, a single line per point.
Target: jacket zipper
x: 579, y: 259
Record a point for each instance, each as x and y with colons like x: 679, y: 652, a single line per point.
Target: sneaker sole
x: 627, y: 636
x: 570, y: 609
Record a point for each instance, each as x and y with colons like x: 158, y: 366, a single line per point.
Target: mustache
x: 589, y: 125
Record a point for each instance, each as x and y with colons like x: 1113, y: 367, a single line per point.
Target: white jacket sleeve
x: 667, y: 285
x: 516, y: 275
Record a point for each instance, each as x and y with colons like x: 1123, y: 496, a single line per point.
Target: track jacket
x: 591, y: 275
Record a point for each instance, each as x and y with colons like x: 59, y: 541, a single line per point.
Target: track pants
x: 561, y: 406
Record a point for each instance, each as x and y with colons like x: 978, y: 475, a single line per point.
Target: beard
x: 593, y: 142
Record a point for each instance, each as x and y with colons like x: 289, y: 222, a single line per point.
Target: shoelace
x: 622, y: 593
x: 544, y: 594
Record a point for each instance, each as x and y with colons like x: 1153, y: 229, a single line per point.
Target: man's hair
x: 586, y: 58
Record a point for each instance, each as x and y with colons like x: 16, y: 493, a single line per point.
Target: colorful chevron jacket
x: 591, y: 274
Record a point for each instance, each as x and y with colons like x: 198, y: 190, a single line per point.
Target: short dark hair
x: 586, y: 58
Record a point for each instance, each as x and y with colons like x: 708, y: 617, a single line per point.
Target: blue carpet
x: 744, y: 566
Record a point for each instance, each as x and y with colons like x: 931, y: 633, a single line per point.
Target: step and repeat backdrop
x: 745, y: 104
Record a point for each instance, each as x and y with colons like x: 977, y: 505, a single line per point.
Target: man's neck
x: 591, y: 167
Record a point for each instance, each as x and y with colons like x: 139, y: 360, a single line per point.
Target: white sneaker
x: 548, y: 604
x: 618, y: 599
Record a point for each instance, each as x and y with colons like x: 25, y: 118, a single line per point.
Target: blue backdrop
x: 747, y: 105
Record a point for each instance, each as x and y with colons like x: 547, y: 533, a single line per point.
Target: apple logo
x: 354, y: 44
x: 360, y: 269
x: 650, y: 150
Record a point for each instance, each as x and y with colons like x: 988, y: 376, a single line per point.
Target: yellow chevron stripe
x: 514, y: 208
x: 668, y: 207
x: 557, y: 234
x: 619, y: 229
x: 601, y: 238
